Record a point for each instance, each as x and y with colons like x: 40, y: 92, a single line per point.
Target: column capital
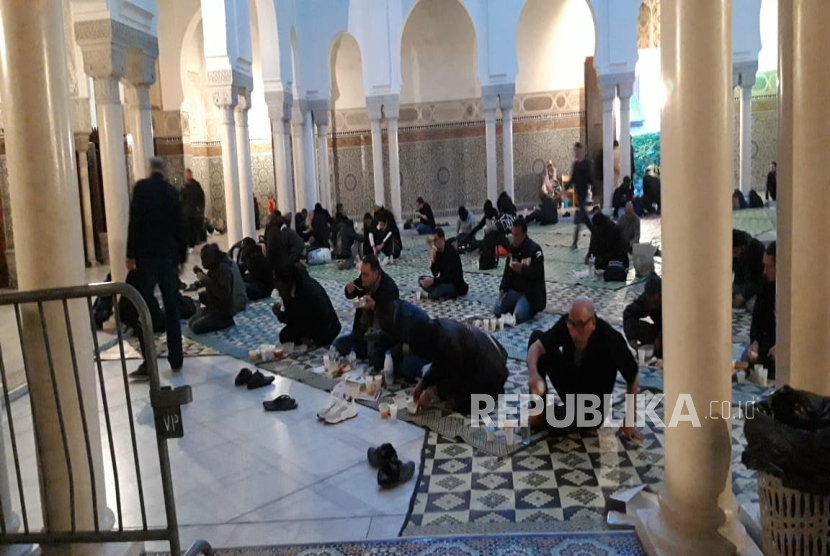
x: 141, y: 67
x: 490, y: 103
x: 319, y: 110
x: 377, y: 105
x: 106, y: 89
x: 81, y: 141
x: 105, y: 43
x: 626, y: 86
x: 226, y: 85
x: 743, y: 73
x: 280, y: 104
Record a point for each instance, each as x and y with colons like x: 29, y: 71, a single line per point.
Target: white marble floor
x: 245, y: 477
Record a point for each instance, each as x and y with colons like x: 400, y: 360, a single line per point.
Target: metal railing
x: 30, y: 310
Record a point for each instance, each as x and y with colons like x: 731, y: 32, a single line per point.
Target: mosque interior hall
x: 348, y: 277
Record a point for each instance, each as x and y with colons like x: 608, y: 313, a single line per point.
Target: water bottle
x: 352, y: 357
x: 388, y: 366
x: 332, y: 354
x: 591, y: 263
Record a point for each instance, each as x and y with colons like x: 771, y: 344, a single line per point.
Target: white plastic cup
x: 491, y: 434
x: 508, y: 435
x: 384, y: 410
x: 500, y: 323
x: 641, y: 353
x: 762, y: 376
x: 494, y: 323
x: 741, y: 375
x: 326, y: 361
x: 477, y: 323
x: 393, y: 412
x: 758, y: 369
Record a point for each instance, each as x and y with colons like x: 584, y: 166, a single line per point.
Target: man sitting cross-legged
x: 581, y: 354
x: 306, y: 309
x: 465, y: 361
x: 447, y: 280
x: 522, y: 290
x: 378, y: 293
x: 761, y: 350
x: 649, y: 305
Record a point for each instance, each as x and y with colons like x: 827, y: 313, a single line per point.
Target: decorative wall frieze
x: 226, y: 85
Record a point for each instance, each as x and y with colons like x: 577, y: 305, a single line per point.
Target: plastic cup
x: 371, y: 385
x: 393, y: 411
x: 477, y: 323
x: 326, y: 361
x: 500, y: 323
x: 491, y: 433
x: 411, y: 407
x: 508, y: 435
x: 641, y: 353
x: 384, y: 410
x: 762, y: 375
x: 494, y: 323
x: 741, y: 376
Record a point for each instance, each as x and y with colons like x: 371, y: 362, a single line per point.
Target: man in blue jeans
x: 426, y: 220
x: 156, y: 246
x: 522, y: 290
x: 447, y: 280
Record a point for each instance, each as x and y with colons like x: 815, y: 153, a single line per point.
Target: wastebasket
x: 788, y: 444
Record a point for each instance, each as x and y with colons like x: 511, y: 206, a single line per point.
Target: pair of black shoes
x: 391, y: 471
x: 252, y: 380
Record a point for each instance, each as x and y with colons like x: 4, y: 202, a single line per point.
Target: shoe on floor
x: 342, y: 411
x: 141, y: 373
x: 258, y: 380
x: 333, y: 401
x: 393, y: 473
x: 243, y: 377
x: 383, y: 453
x: 280, y: 403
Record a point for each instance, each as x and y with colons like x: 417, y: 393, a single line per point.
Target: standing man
x: 772, y: 181
x: 581, y: 180
x: 155, y: 248
x: 193, y: 207
x: 447, y: 280
x: 522, y: 290
x: 426, y: 220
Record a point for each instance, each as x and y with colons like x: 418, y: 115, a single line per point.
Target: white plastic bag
x: 319, y: 256
x: 643, y: 254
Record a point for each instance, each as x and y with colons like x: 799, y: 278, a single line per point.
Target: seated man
x: 283, y: 246
x: 761, y: 350
x: 465, y: 361
x: 388, y: 237
x: 347, y: 244
x: 547, y: 213
x: 623, y: 195
x: 747, y: 267
x: 369, y: 235
x: 464, y: 238
x: 581, y: 354
x: 607, y: 243
x: 522, y: 290
x: 629, y: 225
x: 426, y: 220
x: 378, y: 293
x: 301, y: 225
x: 447, y: 281
x: 321, y: 224
x: 649, y: 305
x: 305, y: 310
x: 400, y: 335
x: 256, y: 272
x: 217, y: 314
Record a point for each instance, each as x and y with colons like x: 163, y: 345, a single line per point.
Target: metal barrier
x: 69, y: 406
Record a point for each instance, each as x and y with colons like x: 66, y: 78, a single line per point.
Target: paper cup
x: 494, y: 324
x: 384, y: 410
x: 411, y: 407
x: 393, y: 411
x: 741, y: 376
x: 491, y: 433
x: 762, y: 376
x: 508, y: 435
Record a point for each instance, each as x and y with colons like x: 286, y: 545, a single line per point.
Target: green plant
x: 646, y: 152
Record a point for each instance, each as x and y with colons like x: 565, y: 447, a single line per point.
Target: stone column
x: 41, y: 167
x: 626, y: 90
x: 310, y: 161
x: 279, y: 110
x: 246, y: 178
x: 744, y: 73
x: 375, y: 109
x: 81, y: 148
x: 225, y: 99
x: 490, y: 104
x: 141, y: 73
x: 391, y: 110
x: 608, y: 91
x: 697, y: 508
x: 298, y: 117
x: 806, y: 201
x: 320, y: 113
x: 506, y: 103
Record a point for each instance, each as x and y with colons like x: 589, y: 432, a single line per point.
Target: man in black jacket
x: 649, y: 305
x: 522, y: 290
x: 546, y: 214
x: 465, y: 361
x: 321, y: 224
x: 218, y: 312
x: 581, y: 179
x: 377, y: 292
x: 581, y: 355
x: 255, y: 270
x: 761, y: 349
x: 193, y: 207
x: 747, y: 266
x: 156, y: 246
x: 305, y: 310
x: 426, y: 220
x: 283, y: 246
x: 447, y: 280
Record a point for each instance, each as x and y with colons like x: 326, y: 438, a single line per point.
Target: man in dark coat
x: 321, y: 223
x: 547, y: 213
x: 283, y: 246
x: 522, y: 290
x: 465, y: 361
x: 649, y: 305
x: 156, y: 246
x: 747, y: 266
x: 255, y: 270
x: 447, y: 280
x: 607, y: 243
x: 761, y: 349
x: 305, y: 309
x: 193, y: 208
x: 581, y: 179
x: 426, y: 220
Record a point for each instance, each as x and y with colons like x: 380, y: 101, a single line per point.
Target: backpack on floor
x: 615, y: 272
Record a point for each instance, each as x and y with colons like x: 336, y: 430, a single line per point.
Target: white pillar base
x: 660, y: 540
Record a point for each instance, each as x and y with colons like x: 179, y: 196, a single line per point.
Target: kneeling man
x: 581, y: 354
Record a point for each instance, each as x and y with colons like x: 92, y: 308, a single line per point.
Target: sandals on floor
x: 280, y: 403
x: 243, y: 377
x: 377, y: 456
x: 258, y: 380
x: 395, y: 472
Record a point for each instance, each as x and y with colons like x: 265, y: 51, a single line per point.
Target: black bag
x: 755, y: 200
x: 187, y: 307
x: 615, y: 272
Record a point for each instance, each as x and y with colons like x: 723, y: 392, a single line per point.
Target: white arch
x: 616, y: 25
x: 274, y: 45
x: 336, y: 86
